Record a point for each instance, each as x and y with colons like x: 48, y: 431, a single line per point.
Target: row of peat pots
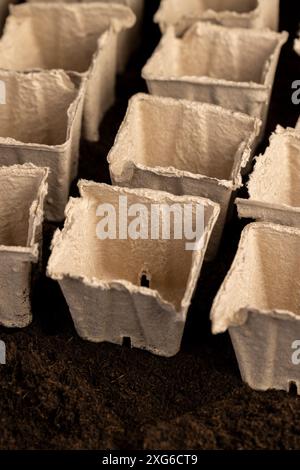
x: 188, y: 143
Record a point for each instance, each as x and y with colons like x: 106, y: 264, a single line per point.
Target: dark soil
x: 59, y: 392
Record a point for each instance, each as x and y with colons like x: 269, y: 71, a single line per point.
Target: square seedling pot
x: 274, y: 186
x: 259, y: 303
x: 79, y: 38
x: 255, y: 14
x: 185, y: 148
x: 40, y: 123
x: 233, y: 68
x: 129, y: 39
x: 103, y: 280
x: 22, y: 193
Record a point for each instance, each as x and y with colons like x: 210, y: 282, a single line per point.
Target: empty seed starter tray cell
x: 22, y: 192
x: 274, y: 186
x: 129, y: 39
x: 230, y: 13
x: 233, y: 68
x: 40, y: 123
x: 259, y: 303
x: 127, y: 288
x: 79, y: 38
x: 184, y: 148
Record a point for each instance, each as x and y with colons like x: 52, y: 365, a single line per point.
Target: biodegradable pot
x: 185, y: 148
x: 79, y: 38
x: 259, y: 303
x: 274, y: 186
x: 22, y: 193
x: 102, y: 280
x: 129, y: 39
x: 233, y: 68
x: 40, y: 124
x: 255, y: 14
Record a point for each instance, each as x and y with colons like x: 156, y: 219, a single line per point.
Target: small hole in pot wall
x: 127, y: 342
x: 145, y: 281
x: 293, y: 390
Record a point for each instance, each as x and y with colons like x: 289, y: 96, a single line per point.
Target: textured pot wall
x: 40, y: 123
x: 101, y: 279
x: 128, y: 40
x: 22, y: 193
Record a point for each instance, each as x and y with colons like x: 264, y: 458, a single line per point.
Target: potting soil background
x: 60, y: 392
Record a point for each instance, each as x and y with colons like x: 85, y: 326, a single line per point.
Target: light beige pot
x: 230, y: 13
x: 128, y: 40
x: 40, y: 123
x: 22, y: 193
x: 101, y: 279
x: 274, y: 186
x: 233, y: 68
x: 80, y: 38
x: 185, y: 148
x: 259, y: 303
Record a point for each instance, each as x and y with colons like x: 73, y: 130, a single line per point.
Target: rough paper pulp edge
x: 254, y: 203
x: 36, y: 213
x: 221, y: 323
x: 124, y: 285
x: 233, y: 184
